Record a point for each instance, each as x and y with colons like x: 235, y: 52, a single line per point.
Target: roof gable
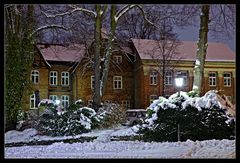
x: 186, y: 50
x: 72, y: 53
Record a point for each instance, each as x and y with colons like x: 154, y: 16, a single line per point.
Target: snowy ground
x: 102, y: 147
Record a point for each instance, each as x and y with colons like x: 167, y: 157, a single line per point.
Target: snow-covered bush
x: 74, y: 120
x: 46, y: 103
x: 184, y: 117
x: 112, y: 115
x: 22, y: 117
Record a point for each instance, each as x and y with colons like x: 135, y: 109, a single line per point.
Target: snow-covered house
x: 66, y: 72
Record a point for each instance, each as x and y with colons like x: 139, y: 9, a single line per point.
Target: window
x: 107, y: 102
x: 229, y: 98
x: 65, y: 78
x: 32, y: 102
x: 53, y: 77
x: 212, y: 79
x: 35, y: 76
x: 117, y: 59
x: 184, y: 75
x: 152, y: 98
x: 65, y: 101
x: 153, y: 78
x: 53, y: 97
x: 227, y: 79
x: 117, y: 82
x: 90, y: 102
x: 126, y: 104
x: 168, y: 78
x: 92, y: 82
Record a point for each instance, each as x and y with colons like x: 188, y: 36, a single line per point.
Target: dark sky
x: 191, y: 34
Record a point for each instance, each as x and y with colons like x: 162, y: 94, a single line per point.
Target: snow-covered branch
x: 47, y: 27
x: 75, y: 9
x: 126, y: 8
x: 104, y: 10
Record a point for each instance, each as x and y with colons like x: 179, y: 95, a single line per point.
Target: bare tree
x: 98, y: 15
x: 165, y: 55
x: 202, y: 49
x: 222, y: 20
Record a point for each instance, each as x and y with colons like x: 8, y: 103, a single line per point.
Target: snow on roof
x: 72, y: 53
x: 186, y: 50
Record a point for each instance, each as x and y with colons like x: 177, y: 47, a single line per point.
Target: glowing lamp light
x: 57, y: 102
x: 179, y: 81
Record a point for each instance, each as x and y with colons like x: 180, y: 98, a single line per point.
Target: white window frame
x: 117, y: 59
x: 35, y: 76
x: 152, y: 98
x: 90, y: 102
x: 212, y: 79
x: 53, y: 97
x: 65, y: 78
x: 153, y: 77
x: 33, y: 98
x: 227, y: 80
x: 118, y: 81
x: 168, y: 78
x: 184, y: 75
x: 65, y: 101
x: 126, y: 104
x: 53, y: 76
x: 92, y: 81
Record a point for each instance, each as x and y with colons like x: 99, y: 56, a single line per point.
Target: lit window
x: 152, y: 98
x: 212, y: 78
x: 227, y: 79
x: 153, y: 78
x: 117, y: 59
x: 32, y: 101
x: 92, y: 82
x: 35, y: 76
x: 184, y: 76
x: 117, y: 82
x: 65, y: 78
x: 168, y: 78
x: 65, y: 101
x: 53, y: 77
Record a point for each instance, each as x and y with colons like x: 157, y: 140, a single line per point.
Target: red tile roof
x: 186, y: 50
x: 60, y: 53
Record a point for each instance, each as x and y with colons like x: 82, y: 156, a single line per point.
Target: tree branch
x: 47, y: 27
x: 75, y: 9
x: 126, y: 8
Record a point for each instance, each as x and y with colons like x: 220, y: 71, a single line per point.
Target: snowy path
x: 128, y: 149
x: 103, y: 147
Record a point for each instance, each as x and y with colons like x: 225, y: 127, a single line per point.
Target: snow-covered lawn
x: 102, y: 147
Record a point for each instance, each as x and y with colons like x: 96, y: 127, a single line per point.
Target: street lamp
x: 57, y: 102
x: 179, y: 82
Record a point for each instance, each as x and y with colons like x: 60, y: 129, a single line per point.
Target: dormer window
x: 117, y: 59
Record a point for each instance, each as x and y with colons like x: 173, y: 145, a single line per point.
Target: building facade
x: 135, y: 78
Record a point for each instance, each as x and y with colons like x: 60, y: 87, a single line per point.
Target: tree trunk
x: 163, y: 76
x: 201, y: 51
x: 109, y: 50
x: 96, y: 96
